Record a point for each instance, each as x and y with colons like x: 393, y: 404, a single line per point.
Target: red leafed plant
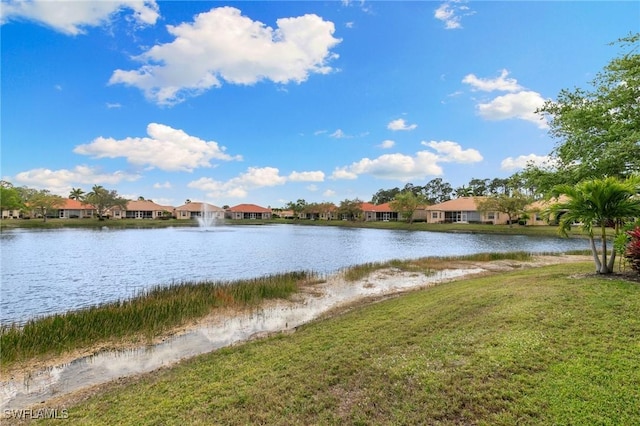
x: 632, y: 253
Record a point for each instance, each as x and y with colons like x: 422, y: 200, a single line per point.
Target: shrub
x: 632, y: 252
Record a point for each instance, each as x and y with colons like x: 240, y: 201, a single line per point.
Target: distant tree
x: 406, y: 204
x: 511, y: 205
x: 76, y: 194
x: 478, y: 187
x: 297, y: 207
x: 598, y: 203
x: 43, y: 202
x: 384, y: 195
x: 350, y: 209
x: 436, y: 191
x: 499, y: 186
x: 463, y: 191
x: 9, y: 198
x: 141, y: 198
x: 103, y: 200
x: 539, y: 181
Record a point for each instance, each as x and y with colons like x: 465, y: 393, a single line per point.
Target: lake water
x: 51, y: 271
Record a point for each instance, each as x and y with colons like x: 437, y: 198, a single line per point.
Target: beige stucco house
x: 141, y: 209
x: 194, y: 210
x: 463, y: 210
x: 74, y: 209
x: 248, y: 211
x: 539, y: 214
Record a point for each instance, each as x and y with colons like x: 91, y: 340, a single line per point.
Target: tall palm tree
x: 76, y: 194
x: 598, y: 203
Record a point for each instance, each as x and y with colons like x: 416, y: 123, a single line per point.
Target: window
x: 491, y: 216
x: 434, y: 215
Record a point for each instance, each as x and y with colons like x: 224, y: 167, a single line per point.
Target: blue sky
x: 268, y: 102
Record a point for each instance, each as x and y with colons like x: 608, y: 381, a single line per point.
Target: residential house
x: 74, y: 209
x: 538, y: 211
x: 11, y: 214
x: 195, y: 210
x: 379, y: 212
x: 463, y: 210
x: 142, y: 209
x: 283, y: 214
x: 248, y: 211
x: 321, y: 211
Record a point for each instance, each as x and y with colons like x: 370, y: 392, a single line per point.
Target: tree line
x: 43, y: 202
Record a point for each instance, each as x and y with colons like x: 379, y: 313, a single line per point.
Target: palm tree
x: 76, y: 194
x: 598, y: 203
x: 463, y: 192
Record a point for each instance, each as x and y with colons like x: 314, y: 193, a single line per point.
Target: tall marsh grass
x: 148, y: 315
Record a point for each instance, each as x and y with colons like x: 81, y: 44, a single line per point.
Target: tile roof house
x: 248, y: 211
x: 11, y: 214
x: 194, y: 210
x: 538, y: 214
x: 141, y: 209
x: 378, y: 212
x: 463, y: 210
x: 74, y: 209
x: 321, y: 211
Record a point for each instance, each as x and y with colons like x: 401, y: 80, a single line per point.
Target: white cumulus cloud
x: 518, y: 103
x: 72, y: 17
x: 407, y: 167
x: 451, y: 13
x: 239, y: 187
x: 501, y: 83
x: 393, y: 166
x: 166, y: 148
x: 61, y: 181
x: 521, y: 105
x: 165, y: 185
x: 452, y: 152
x: 315, y: 176
x: 222, y: 45
x: 400, y: 124
x: 387, y: 144
x: 523, y: 161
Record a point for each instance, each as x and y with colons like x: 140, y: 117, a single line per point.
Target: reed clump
x: 148, y: 315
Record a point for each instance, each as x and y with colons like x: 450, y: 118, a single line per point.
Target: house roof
x: 458, y: 204
x: 545, y: 204
x: 146, y: 205
x: 368, y: 207
x: 249, y: 208
x: 70, y: 204
x: 197, y: 207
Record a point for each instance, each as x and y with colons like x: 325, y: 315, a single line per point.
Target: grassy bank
x: 8, y: 224
x: 139, y: 319
x: 539, y: 346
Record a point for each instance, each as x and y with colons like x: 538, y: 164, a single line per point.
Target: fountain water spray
x: 207, y: 219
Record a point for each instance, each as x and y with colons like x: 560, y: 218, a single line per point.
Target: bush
x: 632, y: 253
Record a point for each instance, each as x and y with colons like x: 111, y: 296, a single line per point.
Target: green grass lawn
x: 537, y: 346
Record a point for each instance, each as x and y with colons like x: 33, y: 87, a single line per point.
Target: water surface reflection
x: 45, y: 272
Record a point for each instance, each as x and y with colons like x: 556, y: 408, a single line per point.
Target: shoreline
x: 69, y: 377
